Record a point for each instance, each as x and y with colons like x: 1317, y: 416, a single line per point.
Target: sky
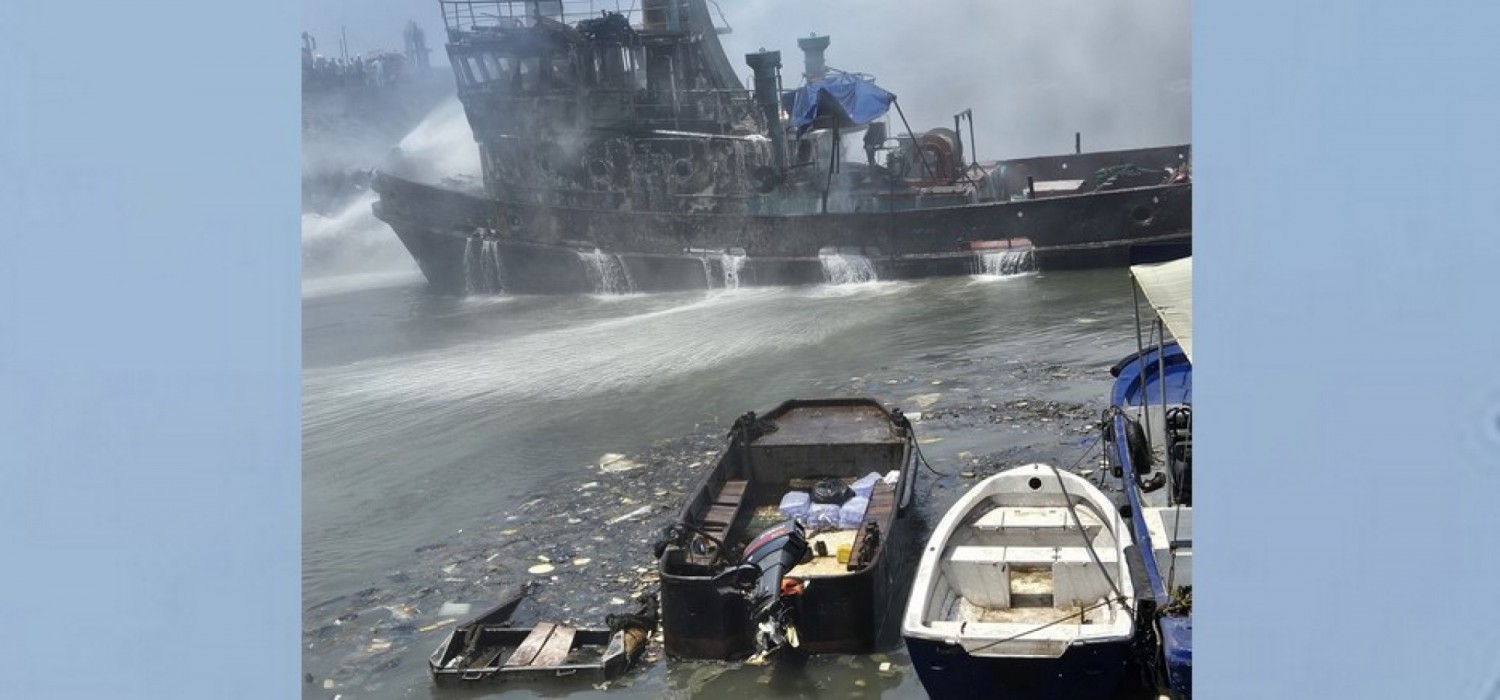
x: 1033, y: 72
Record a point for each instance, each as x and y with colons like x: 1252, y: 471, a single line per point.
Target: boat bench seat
x: 982, y: 575
x: 721, y: 515
x: 1036, y: 526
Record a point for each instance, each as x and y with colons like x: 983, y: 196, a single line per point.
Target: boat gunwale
x: 924, y: 583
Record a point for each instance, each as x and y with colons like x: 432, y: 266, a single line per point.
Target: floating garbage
x: 541, y: 569
x: 401, y: 612
x: 453, y: 610
x: 581, y: 561
x: 435, y: 625
x: 613, y: 463
x: 638, y: 512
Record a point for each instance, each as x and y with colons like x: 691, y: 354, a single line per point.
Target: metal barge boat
x: 739, y: 578
x: 620, y: 152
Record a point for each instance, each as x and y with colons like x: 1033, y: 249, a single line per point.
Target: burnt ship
x: 620, y: 152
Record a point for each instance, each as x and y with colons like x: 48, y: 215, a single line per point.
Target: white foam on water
x: 343, y: 284
x: 599, y: 356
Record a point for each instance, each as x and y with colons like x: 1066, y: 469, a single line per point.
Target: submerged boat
x: 751, y: 568
x: 487, y: 648
x: 621, y: 152
x: 1151, y: 415
x: 1024, y: 591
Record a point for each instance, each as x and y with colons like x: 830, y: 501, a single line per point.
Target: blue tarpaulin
x: 841, y: 100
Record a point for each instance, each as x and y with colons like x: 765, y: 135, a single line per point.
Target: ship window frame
x: 476, y: 64
x: 493, y: 65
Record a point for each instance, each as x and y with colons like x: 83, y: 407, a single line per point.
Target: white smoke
x: 440, y: 148
x: 351, y: 242
x: 1034, y: 72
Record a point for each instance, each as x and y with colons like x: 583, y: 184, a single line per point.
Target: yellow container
x: 844, y: 550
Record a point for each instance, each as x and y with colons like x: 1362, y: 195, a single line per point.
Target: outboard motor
x: 761, y: 575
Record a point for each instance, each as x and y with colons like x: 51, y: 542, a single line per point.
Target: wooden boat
x: 840, y: 607
x: 486, y: 648
x: 1023, y: 591
x: 1151, y: 414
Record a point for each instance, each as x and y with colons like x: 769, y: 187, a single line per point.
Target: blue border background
x: 1347, y: 230
x: 149, y: 349
x: 150, y: 510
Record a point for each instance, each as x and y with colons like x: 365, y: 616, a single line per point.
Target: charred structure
x: 630, y: 136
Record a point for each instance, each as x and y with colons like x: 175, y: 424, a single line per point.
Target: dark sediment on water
x: 596, y: 533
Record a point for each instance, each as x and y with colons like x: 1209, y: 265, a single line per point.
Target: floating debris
x: 614, y: 463
x: 436, y: 625
x: 454, y: 610
x: 925, y: 401
x: 402, y: 612
x: 581, y: 561
x: 541, y: 569
x: 638, y: 512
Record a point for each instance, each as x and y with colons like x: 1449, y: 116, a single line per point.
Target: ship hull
x: 467, y: 243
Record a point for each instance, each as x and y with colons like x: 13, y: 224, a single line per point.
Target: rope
x: 1088, y: 544
x: 1039, y: 628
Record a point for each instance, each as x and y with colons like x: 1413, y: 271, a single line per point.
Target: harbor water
x: 436, y: 427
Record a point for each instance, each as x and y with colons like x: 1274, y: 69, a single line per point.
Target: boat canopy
x: 841, y: 100
x: 1169, y: 289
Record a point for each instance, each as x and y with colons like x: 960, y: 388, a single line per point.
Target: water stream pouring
x: 1007, y: 263
x: 482, y: 268
x: 732, y: 264
x: 608, y: 272
x: 847, y: 268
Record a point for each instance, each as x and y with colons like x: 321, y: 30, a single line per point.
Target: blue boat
x: 1149, y: 433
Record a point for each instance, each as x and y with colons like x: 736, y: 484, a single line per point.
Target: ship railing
x: 465, y: 16
x: 615, y: 105
x: 605, y: 199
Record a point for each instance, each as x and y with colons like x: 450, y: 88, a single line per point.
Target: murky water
x: 424, y: 416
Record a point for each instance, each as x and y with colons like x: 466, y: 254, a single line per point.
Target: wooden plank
x: 721, y: 515
x: 488, y: 658
x: 533, y: 644
x: 882, y: 501
x: 555, y: 651
x: 732, y: 493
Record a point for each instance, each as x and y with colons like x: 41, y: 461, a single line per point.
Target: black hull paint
x: 538, y: 247
x: 1084, y: 672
